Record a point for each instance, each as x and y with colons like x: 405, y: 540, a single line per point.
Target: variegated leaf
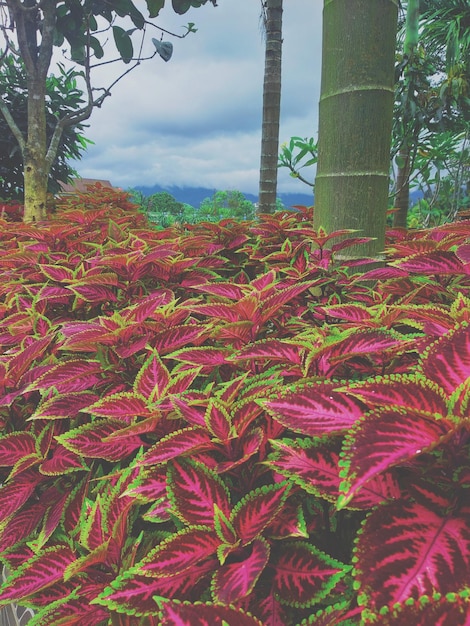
x: 177, y: 443
x: 67, y: 376
x: 447, y: 361
x: 152, y: 378
x: 450, y: 610
x: 176, y: 613
x: 120, y: 406
x: 194, y: 491
x: 400, y: 390
x: 385, y: 438
x: 315, y: 409
x: 180, y: 552
x: 304, y: 575
x: 258, y: 509
x: 37, y: 573
x: 406, y: 550
x: 90, y: 441
x: 65, y: 405
x: 16, y: 446
x: 234, y: 581
x: 134, y: 593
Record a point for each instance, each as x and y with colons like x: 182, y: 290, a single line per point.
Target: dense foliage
x: 228, y: 424
x: 63, y: 96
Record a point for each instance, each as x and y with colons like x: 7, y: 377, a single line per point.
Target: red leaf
x: 439, y: 262
x: 447, y: 361
x: 152, y: 378
x: 66, y: 405
x: 180, y: 552
x: 235, y: 581
x: 403, y: 391
x: 194, y: 491
x: 90, y: 441
x: 120, y: 406
x: 16, y: 446
x: 304, y: 575
x: 315, y: 409
x: 257, y: 509
x: 175, y: 444
x: 406, y: 550
x: 174, y: 613
x: 206, y: 356
x: 61, y: 462
x: 15, y: 493
x: 37, y: 573
x: 73, y: 375
x: 385, y: 438
x: 177, y: 336
x: 135, y: 593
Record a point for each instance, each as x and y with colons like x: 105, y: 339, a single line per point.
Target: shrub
x: 223, y: 423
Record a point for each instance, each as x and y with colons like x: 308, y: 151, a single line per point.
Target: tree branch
x: 13, y: 126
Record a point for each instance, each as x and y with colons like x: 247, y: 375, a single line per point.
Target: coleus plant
x: 225, y: 424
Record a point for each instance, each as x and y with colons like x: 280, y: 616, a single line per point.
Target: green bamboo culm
x: 355, y: 118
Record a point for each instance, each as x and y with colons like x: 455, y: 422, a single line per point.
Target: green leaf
x: 123, y: 43
x: 154, y: 7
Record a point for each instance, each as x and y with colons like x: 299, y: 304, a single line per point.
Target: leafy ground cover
x: 228, y: 424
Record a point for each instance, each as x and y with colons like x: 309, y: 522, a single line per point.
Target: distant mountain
x: 195, y: 195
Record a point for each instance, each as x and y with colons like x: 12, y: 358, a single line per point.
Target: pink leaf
x: 384, y: 438
x: 90, y: 441
x: 304, y: 575
x: 39, y: 572
x: 315, y: 409
x: 73, y: 375
x: 152, y: 378
x: 194, y: 491
x: 180, y: 552
x: 120, y: 406
x: 447, y: 361
x: 175, y: 444
x: 15, y: 446
x: 406, y: 550
x: 235, y: 581
x: 174, y: 613
x: 66, y: 405
x: 257, y: 509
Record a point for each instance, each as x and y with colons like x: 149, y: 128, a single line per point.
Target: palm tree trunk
x: 355, y: 118
x: 271, y: 107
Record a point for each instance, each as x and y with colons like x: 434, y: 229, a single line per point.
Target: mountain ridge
x: 195, y: 195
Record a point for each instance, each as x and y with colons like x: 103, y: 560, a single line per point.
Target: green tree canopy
x: 226, y: 204
x: 62, y: 96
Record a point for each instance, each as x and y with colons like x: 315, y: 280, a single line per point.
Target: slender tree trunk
x: 271, y: 107
x: 402, y: 199
x: 356, y: 109
x: 36, y: 167
x: 37, y: 57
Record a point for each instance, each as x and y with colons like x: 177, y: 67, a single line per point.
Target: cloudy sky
x: 196, y: 120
